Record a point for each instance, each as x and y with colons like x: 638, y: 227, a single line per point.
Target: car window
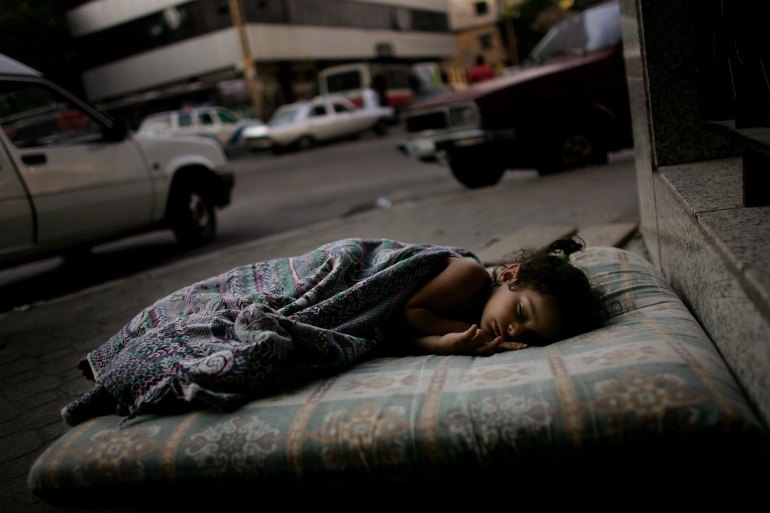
x: 340, y: 107
x: 205, y: 118
x: 32, y: 115
x: 283, y: 116
x: 185, y: 119
x: 226, y: 116
x: 317, y: 111
x: 344, y: 81
x: 592, y: 30
x: 602, y: 26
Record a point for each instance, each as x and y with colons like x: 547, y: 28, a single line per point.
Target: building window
x: 194, y: 19
x: 485, y: 41
x: 481, y: 8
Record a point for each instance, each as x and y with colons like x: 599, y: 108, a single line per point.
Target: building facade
x: 476, y: 28
x: 152, y: 54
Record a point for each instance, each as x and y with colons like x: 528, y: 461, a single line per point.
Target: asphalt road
x: 274, y: 194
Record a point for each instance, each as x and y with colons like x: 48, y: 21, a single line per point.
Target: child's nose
x: 515, y: 332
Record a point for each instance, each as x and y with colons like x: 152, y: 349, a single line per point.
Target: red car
x: 565, y: 106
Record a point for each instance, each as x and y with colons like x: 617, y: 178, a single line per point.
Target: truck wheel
x: 477, y: 173
x: 192, y: 215
x: 573, y: 149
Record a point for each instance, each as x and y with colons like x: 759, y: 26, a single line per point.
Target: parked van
x: 397, y: 84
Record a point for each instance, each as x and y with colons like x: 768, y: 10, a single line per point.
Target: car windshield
x: 589, y: 31
x: 284, y: 115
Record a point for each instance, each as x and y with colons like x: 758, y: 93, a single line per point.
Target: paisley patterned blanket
x: 258, y: 328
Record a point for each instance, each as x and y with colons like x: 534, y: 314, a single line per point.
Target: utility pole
x: 509, y: 11
x: 249, y: 68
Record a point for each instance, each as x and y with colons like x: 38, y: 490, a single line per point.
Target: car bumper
x: 259, y: 143
x: 432, y: 147
x: 421, y: 148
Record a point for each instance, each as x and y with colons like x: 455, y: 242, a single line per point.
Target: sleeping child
x: 259, y: 328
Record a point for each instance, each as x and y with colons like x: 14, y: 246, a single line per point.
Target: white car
x: 219, y: 123
x: 303, y: 124
x: 72, y: 178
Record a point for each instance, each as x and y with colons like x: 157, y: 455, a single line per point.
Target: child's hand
x: 474, y: 341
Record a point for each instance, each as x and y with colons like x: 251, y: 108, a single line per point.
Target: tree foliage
x: 531, y: 20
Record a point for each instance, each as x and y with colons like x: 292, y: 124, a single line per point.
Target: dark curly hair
x: 549, y: 272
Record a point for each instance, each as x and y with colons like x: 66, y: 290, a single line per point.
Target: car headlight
x: 463, y: 116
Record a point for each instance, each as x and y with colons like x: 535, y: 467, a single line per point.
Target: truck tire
x: 191, y: 214
x: 475, y: 173
x: 570, y: 150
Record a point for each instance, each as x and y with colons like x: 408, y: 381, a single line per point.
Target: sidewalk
x: 39, y: 347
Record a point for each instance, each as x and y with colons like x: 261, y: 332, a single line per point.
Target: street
x: 274, y: 194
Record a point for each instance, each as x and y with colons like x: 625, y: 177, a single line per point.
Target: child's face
x: 521, y: 315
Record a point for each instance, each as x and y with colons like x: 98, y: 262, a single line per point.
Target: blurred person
x: 480, y: 72
x: 371, y: 99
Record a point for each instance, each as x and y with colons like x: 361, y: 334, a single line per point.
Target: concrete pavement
x: 39, y: 346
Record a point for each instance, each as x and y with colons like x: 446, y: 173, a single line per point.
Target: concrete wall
x: 714, y: 250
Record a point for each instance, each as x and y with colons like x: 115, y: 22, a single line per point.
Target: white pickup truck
x: 71, y: 178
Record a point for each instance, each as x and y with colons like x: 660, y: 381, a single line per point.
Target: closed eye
x: 520, y: 313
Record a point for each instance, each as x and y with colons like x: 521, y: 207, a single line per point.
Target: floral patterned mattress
x: 641, y: 410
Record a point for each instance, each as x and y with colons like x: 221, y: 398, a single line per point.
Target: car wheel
x: 305, y: 142
x: 475, y: 173
x: 192, y: 215
x: 573, y: 149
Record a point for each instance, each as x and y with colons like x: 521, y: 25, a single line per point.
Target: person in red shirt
x: 480, y: 72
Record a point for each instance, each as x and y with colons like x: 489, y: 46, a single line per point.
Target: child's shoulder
x: 467, y: 268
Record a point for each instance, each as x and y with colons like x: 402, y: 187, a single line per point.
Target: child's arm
x: 472, y: 341
x: 431, y: 314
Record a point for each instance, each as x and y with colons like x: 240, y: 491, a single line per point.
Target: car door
x: 321, y: 121
x: 209, y: 125
x: 83, y: 184
x: 185, y: 123
x: 16, y: 215
x: 352, y: 119
x: 345, y: 123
